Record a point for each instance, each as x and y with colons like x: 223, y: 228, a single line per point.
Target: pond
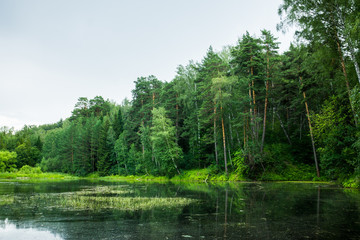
x: 121, y: 210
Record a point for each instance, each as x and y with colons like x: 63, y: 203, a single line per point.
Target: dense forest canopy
x: 246, y: 109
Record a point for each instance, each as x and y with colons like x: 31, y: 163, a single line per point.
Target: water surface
x: 113, y: 210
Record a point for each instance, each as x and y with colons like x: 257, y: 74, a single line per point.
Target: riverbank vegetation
x: 34, y: 173
x: 245, y: 112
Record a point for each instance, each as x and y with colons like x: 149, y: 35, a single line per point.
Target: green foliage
x: 210, y: 174
x: 277, y: 155
x: 27, y: 155
x: 26, y: 169
x: 239, y: 163
x: 335, y: 135
x: 244, y: 108
x: 166, y: 151
x: 299, y: 172
x: 352, y: 182
x: 355, y: 100
x: 7, y: 161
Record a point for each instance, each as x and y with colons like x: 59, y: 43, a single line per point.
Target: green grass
x: 299, y: 173
x: 206, y: 175
x: 28, y: 173
x: 132, y: 178
x: 26, y: 176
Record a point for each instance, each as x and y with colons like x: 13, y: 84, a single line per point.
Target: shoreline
x: 217, y: 179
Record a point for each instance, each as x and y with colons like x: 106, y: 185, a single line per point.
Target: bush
x: 26, y: 169
x: 7, y: 161
x: 299, y: 172
x: 277, y: 155
x: 352, y: 182
x: 241, y: 168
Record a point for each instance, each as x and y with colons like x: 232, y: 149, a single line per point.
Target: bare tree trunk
x: 215, y: 141
x: 256, y: 129
x: 224, y: 141
x: 283, y: 127
x: 250, y: 109
x: 266, y: 100
x: 343, y: 66
x: 265, y: 109
x: 311, y: 132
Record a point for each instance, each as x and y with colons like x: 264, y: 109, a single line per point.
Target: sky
x: 53, y: 52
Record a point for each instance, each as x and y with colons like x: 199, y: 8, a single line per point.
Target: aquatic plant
x: 102, y: 198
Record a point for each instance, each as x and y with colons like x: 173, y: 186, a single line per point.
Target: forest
x: 247, y: 110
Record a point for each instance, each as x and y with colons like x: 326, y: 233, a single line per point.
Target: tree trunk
x: 250, y: 109
x: 224, y: 137
x: 215, y: 141
x: 256, y: 128
x: 343, y: 66
x: 283, y: 127
x: 264, y: 123
x: 229, y: 151
x: 230, y: 129
x: 224, y: 141
x: 311, y: 133
x: 265, y: 107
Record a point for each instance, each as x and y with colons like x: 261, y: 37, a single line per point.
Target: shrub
x: 26, y: 169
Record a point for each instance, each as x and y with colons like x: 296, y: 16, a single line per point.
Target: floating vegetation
x: 121, y: 203
x: 6, y: 199
x: 102, y: 198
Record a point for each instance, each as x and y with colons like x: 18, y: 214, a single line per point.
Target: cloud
x: 17, y: 124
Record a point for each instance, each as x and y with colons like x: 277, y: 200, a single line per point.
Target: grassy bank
x: 205, y: 175
x: 28, y: 173
x: 38, y: 176
x: 132, y: 178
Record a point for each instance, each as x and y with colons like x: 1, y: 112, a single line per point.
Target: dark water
x: 236, y: 211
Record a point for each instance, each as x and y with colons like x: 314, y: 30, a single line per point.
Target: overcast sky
x: 53, y: 52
